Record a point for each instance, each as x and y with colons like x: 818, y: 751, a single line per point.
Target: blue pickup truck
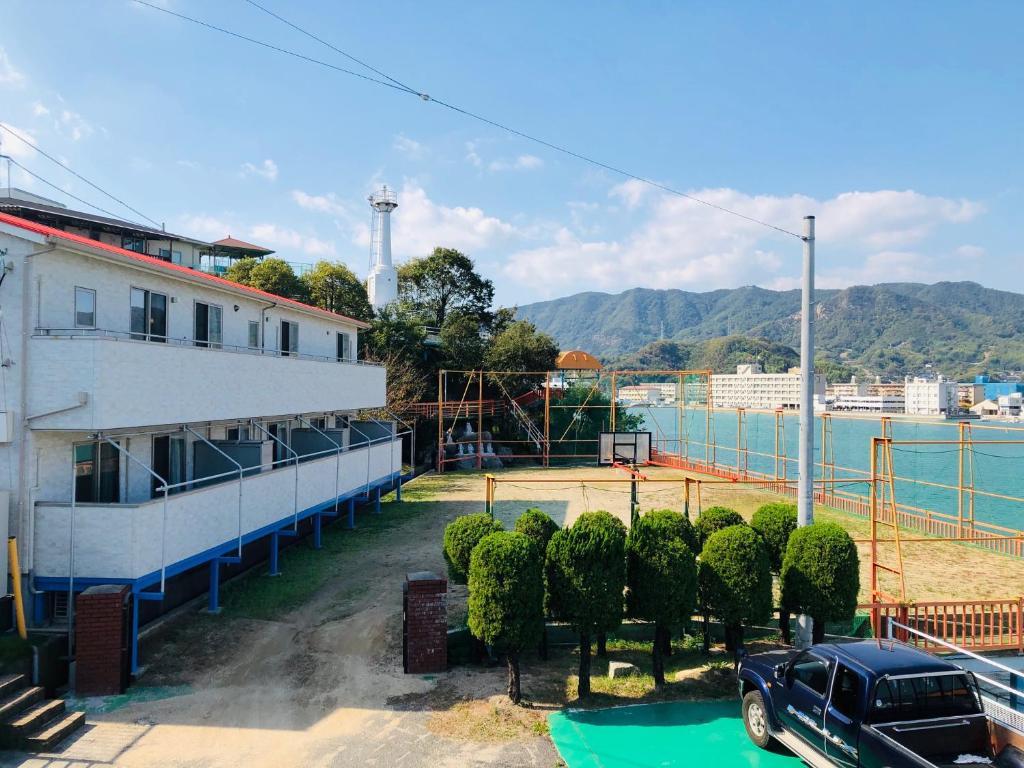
x: 868, y: 704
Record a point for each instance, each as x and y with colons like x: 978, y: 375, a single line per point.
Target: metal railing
x: 109, y: 335
x: 980, y: 625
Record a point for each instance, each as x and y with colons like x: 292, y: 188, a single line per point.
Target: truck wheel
x: 755, y: 718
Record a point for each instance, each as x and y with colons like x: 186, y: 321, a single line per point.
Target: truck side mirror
x: 780, y: 671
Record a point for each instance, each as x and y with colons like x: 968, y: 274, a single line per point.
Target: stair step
x: 55, y: 732
x: 10, y: 683
x: 20, y: 700
x: 36, y: 716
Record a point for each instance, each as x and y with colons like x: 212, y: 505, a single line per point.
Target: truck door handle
x: 816, y: 710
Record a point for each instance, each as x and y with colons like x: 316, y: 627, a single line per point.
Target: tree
x: 585, y: 572
x: 714, y: 519
x: 661, y: 577
x: 678, y: 526
x: 521, y: 347
x: 775, y: 522
x: 393, y: 333
x: 446, y: 281
x: 460, y: 536
x: 538, y: 526
x: 271, y: 275
x: 821, y: 575
x: 503, y: 318
x: 334, y: 287
x: 462, y: 342
x: 506, y: 597
x: 735, y: 581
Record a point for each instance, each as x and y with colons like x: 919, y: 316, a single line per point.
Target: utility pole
x: 805, y: 480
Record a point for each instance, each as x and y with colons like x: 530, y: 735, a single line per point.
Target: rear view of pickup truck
x: 868, y: 704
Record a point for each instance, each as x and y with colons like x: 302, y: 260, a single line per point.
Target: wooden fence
x: 976, y: 625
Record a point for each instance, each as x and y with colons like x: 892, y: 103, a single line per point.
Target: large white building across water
x: 750, y: 387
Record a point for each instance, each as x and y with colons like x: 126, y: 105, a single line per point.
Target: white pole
x: 805, y: 481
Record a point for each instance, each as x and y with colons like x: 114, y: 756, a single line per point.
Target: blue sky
x: 898, y: 124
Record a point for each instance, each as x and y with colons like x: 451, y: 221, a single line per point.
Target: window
x: 254, y: 334
x: 279, y: 430
x: 133, y: 243
x: 209, y: 327
x: 319, y: 422
x: 169, y: 462
x: 97, y: 473
x: 289, y: 338
x: 811, y: 671
x: 344, y: 347
x: 148, y: 315
x: 924, y: 697
x: 237, y: 433
x: 172, y: 256
x: 846, y: 692
x: 85, y: 308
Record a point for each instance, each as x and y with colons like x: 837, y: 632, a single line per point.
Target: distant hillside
x: 891, y: 329
x: 719, y: 355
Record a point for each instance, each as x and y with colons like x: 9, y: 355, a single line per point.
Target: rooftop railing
x: 127, y: 336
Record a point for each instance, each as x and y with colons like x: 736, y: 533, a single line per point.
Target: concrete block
x: 622, y: 669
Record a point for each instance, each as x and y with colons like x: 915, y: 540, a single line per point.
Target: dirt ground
x: 307, y: 672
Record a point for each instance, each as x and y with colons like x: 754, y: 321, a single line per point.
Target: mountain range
x: 959, y: 329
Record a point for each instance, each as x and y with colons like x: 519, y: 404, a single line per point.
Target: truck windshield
x: 924, y: 697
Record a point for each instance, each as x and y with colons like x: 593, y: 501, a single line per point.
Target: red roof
x: 233, y: 242
x: 152, y: 261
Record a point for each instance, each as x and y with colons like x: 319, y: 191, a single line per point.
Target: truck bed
x: 940, y: 742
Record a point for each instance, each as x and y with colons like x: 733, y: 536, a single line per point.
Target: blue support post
x: 273, y: 555
x: 316, y: 531
x: 351, y: 513
x: 376, y: 501
x: 214, y: 603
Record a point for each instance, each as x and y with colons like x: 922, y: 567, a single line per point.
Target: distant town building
x: 993, y: 389
x: 853, y: 388
x: 870, y: 403
x: 1011, y: 405
x: 986, y: 408
x: 750, y: 387
x: 969, y: 394
x: 930, y: 397
x: 655, y: 392
x: 879, y: 387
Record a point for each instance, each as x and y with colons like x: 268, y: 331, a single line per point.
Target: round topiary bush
x: 661, y: 578
x: 775, y: 522
x: 715, y: 519
x: 675, y: 524
x: 821, y: 575
x: 460, y: 536
x: 734, y: 580
x: 538, y: 527
x: 585, y: 574
x: 506, y: 597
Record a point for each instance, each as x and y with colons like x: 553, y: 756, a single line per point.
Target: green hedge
x: 539, y: 527
x: 735, y: 582
x: 821, y: 573
x: 775, y: 522
x: 460, y: 536
x: 715, y: 519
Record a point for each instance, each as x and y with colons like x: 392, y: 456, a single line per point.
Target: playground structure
x: 486, y: 419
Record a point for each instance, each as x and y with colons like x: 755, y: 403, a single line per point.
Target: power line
x: 397, y: 85
x: 77, y: 175
x: 37, y: 177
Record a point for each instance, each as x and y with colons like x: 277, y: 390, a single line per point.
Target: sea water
x: 998, y: 468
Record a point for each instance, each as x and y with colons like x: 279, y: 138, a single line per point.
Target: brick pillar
x: 425, y: 626
x: 102, y: 621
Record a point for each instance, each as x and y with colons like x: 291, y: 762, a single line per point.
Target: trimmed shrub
x: 715, y: 519
x: 585, y: 573
x: 661, y: 577
x: 735, y: 583
x: 821, y: 575
x: 460, y: 536
x: 678, y: 525
x: 538, y: 526
x: 506, y: 597
x: 775, y: 522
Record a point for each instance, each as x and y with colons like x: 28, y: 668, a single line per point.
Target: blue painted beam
x: 273, y: 555
x: 376, y: 501
x: 316, y: 531
x: 351, y: 513
x: 213, y: 604
x: 135, y: 640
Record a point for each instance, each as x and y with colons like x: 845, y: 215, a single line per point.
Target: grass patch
x: 305, y: 570
x: 494, y: 719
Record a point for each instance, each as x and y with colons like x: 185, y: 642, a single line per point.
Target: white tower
x: 382, y: 282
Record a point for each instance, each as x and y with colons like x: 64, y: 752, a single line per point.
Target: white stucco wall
x: 130, y: 541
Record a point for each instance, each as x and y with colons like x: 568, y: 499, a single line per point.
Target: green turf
x: 679, y: 733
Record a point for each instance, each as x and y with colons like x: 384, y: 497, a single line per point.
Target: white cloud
x: 192, y: 165
x: 632, y: 192
x: 970, y: 252
x: 72, y: 124
x: 410, y: 147
x: 39, y: 109
x: 14, y: 146
x: 472, y: 157
x: 328, y: 203
x: 267, y: 169
x: 9, y: 76
x: 682, y: 243
x: 521, y: 163
x: 421, y: 224
x: 282, y: 237
x: 203, y: 226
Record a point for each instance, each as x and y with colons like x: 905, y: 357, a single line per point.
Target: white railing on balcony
x: 92, y: 382
x: 129, y: 541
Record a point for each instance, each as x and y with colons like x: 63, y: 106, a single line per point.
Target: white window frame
x: 254, y: 344
x: 195, y: 335
x: 94, y: 306
x: 292, y: 351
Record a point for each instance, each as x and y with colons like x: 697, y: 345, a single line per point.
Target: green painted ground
x: 679, y: 733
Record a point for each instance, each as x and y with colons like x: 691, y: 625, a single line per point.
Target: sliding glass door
x: 148, y: 315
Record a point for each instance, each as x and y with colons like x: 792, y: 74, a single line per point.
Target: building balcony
x: 142, y: 543
x: 96, y: 380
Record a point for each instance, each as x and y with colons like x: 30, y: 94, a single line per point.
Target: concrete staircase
x: 31, y: 722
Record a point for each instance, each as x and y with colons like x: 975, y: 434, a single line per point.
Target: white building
x: 930, y: 397
x: 749, y: 387
x: 648, y: 392
x: 870, y: 403
x: 160, y: 424
x: 382, y: 282
x: 1011, y: 404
